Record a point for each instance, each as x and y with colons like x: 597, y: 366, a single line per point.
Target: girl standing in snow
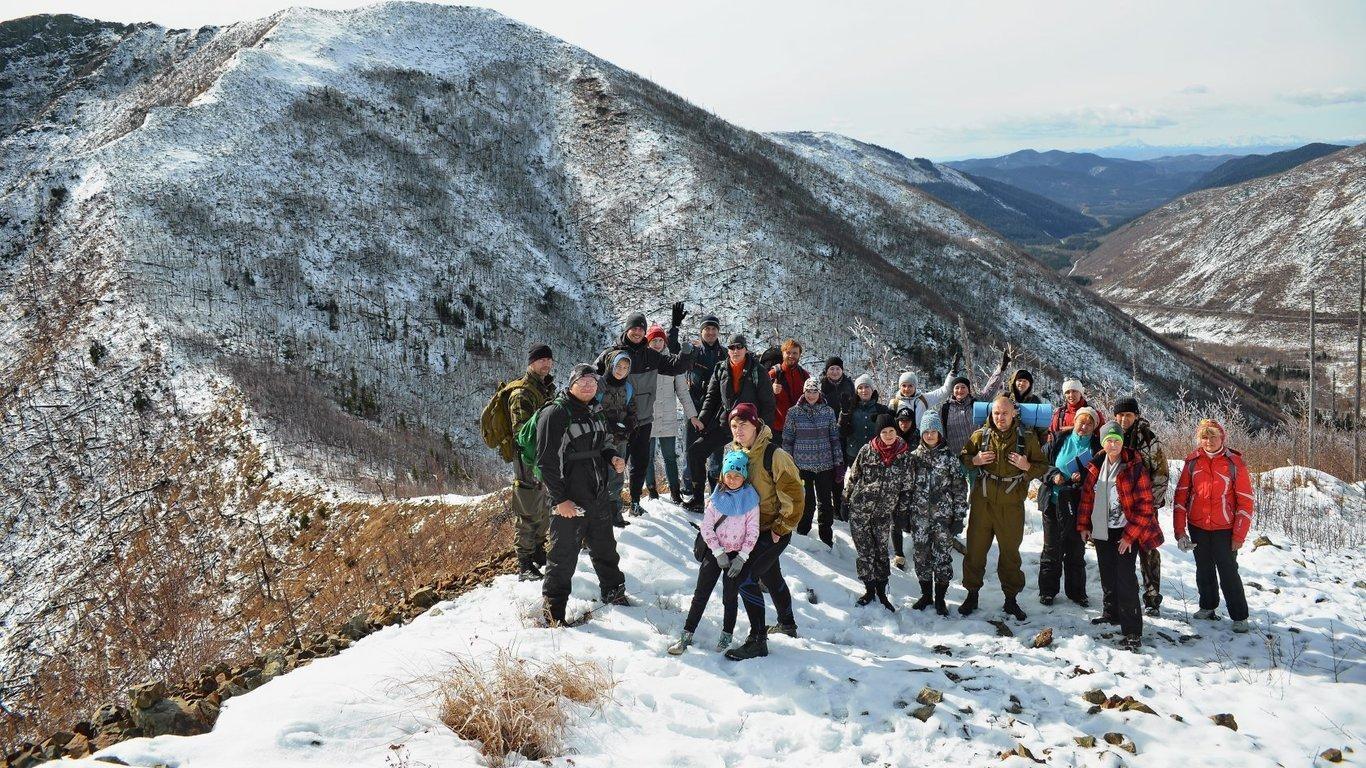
x: 878, y: 487
x: 940, y: 502
x: 730, y: 529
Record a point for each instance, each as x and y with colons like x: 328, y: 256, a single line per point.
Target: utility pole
x: 1309, y: 457
x: 1356, y: 412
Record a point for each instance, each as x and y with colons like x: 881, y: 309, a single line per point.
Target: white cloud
x: 1323, y: 97
x: 1105, y: 120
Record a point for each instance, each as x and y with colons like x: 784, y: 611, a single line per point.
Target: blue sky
x: 954, y: 79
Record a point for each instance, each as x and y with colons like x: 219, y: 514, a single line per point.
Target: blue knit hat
x: 930, y: 421
x: 736, y: 461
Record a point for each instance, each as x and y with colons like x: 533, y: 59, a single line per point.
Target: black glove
x: 957, y: 362
x: 678, y: 314
x: 1005, y: 357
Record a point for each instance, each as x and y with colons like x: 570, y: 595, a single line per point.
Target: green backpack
x: 526, y: 439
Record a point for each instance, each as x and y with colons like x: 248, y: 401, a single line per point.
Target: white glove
x: 1185, y: 544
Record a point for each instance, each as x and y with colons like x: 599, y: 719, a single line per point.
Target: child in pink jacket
x: 730, y: 529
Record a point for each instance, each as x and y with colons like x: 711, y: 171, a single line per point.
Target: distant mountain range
x: 1106, y: 188
x: 1017, y: 214
x: 1241, y: 169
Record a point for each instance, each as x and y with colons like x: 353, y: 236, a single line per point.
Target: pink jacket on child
x: 736, y: 533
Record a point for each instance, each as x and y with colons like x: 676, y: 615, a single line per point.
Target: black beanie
x: 1026, y: 375
x: 832, y: 361
x: 538, y: 352
x: 635, y: 320
x: 1126, y: 405
x: 960, y: 380
x: 885, y: 421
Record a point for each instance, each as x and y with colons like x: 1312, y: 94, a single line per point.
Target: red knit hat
x: 655, y: 332
x: 746, y: 412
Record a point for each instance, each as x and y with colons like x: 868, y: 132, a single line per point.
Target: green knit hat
x: 1111, y: 429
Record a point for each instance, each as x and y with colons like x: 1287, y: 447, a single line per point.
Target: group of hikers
x: 769, y: 451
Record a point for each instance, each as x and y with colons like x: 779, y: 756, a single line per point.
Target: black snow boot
x: 1013, y: 608
x: 882, y: 596
x: 924, y: 601
x: 869, y: 594
x: 527, y: 570
x: 941, y: 588
x: 553, y: 613
x: 753, y: 648
x: 783, y: 629
x: 969, y: 603
x: 616, y: 596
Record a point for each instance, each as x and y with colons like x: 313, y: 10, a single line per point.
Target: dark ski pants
x: 1216, y: 569
x: 713, y: 462
x: 1119, y: 581
x: 764, y: 566
x: 566, y: 537
x: 533, y: 514
x: 638, y: 456
x: 820, y: 497
x: 707, y: 577
x: 1063, y: 557
x: 668, y: 450
x: 699, y: 450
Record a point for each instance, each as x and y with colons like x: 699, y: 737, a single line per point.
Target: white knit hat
x: 906, y: 378
x: 1072, y: 384
x: 864, y: 379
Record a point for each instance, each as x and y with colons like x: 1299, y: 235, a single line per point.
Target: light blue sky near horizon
x: 953, y: 79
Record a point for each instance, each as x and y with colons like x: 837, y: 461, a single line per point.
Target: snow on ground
x: 843, y: 693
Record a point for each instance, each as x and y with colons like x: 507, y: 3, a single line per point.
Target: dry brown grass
x: 519, y: 706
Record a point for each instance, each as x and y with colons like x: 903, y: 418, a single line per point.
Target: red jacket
x: 1214, y: 494
x: 1135, y: 488
x: 1066, y: 415
x: 792, y: 382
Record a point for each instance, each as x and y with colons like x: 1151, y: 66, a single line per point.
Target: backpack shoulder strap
x: 768, y: 457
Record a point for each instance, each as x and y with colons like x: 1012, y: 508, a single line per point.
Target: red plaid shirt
x: 1135, y: 488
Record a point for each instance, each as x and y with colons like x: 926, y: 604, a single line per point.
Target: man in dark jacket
x: 1139, y: 435
x: 646, y: 364
x: 575, y: 457
x: 737, y: 379
x: 706, y: 355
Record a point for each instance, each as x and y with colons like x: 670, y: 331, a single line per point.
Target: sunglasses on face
x: 736, y: 348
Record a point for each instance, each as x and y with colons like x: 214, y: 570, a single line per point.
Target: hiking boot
x: 827, y: 537
x: 782, y: 629
x: 1013, y: 608
x: 941, y: 588
x: 693, y: 505
x: 652, y: 493
x: 540, y: 557
x: 1207, y: 614
x: 1152, y: 611
x: 882, y: 597
x: 969, y: 603
x: 924, y: 601
x: 619, y: 519
x: 616, y: 596
x: 684, y: 640
x: 1105, y: 617
x: 1083, y: 601
x: 723, y: 642
x: 1046, y: 599
x: 1132, y: 643
x: 869, y: 594
x: 637, y: 510
x: 674, y: 497
x: 1241, y: 626
x: 753, y: 648
x: 527, y: 571
x: 899, y: 562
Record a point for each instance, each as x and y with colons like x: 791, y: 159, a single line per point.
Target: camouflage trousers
x: 1150, y: 565
x: 932, y: 542
x: 869, y: 528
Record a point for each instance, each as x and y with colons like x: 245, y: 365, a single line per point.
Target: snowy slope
x: 1021, y: 216
x: 1236, y: 265
x: 843, y: 693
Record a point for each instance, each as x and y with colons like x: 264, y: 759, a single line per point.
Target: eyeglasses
x: 735, y: 348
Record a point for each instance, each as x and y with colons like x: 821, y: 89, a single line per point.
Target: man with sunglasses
x: 737, y: 379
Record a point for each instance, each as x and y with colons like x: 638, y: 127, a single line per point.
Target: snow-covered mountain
x: 242, y: 267
x: 860, y: 686
x: 1235, y: 266
x: 1021, y: 216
